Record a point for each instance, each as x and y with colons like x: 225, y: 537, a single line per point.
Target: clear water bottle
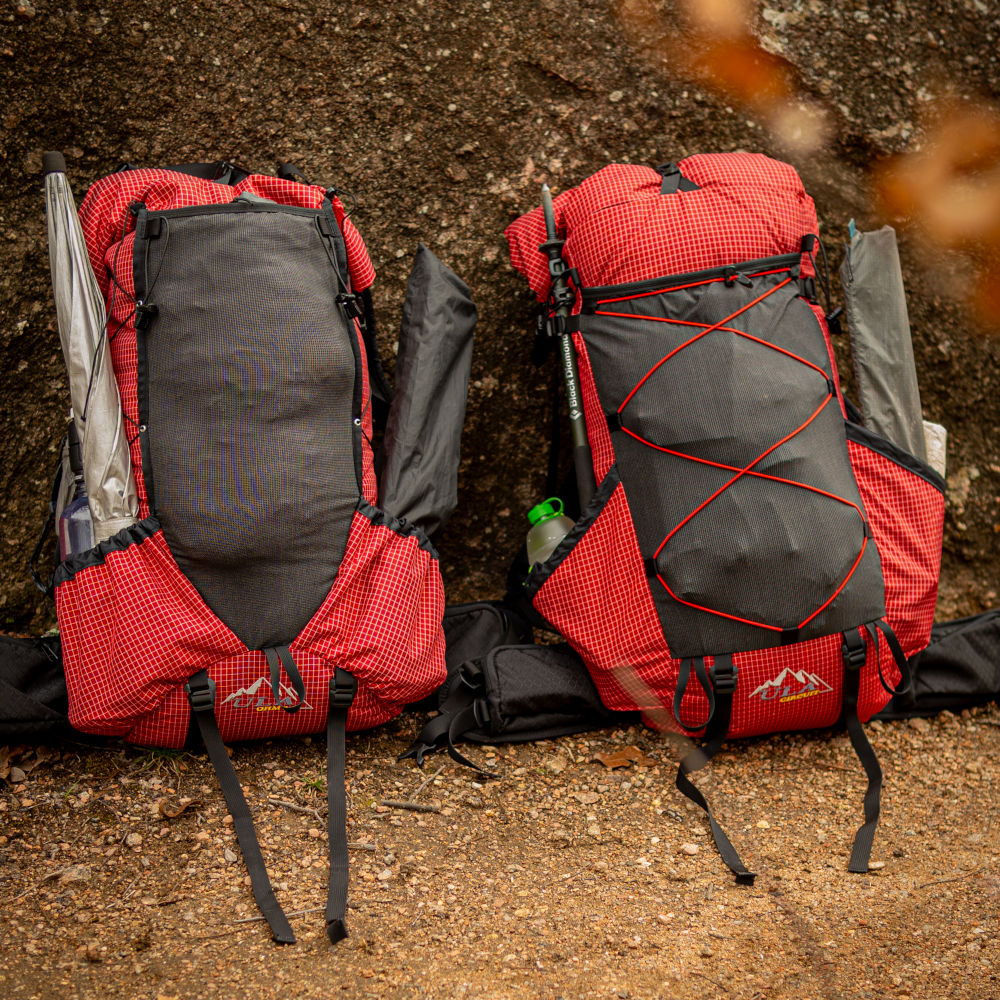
x: 549, y: 526
x: 76, y: 526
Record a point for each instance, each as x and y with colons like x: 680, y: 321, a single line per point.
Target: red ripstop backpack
x: 262, y: 590
x: 753, y: 560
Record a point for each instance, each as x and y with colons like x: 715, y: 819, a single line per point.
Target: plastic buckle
x: 481, y: 712
x: 349, y: 303
x: 470, y: 675
x: 854, y: 656
x: 343, y: 688
x: 833, y: 321
x: 202, y: 695
x: 144, y: 313
x: 724, y: 678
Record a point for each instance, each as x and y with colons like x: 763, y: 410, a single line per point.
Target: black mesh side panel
x: 741, y: 557
x: 248, y: 383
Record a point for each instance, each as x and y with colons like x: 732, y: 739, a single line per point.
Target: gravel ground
x: 563, y: 878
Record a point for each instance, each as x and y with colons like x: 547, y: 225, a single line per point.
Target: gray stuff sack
x: 419, y: 474
x: 879, y: 327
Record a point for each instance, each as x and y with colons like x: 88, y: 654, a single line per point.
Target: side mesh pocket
x: 542, y: 571
x: 904, y: 498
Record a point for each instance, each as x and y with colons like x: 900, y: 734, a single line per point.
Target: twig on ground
x: 954, y: 878
x: 412, y: 806
x: 296, y: 913
x: 295, y: 807
x: 423, y: 784
x: 714, y: 982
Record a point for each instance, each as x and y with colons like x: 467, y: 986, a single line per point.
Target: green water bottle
x: 549, y: 526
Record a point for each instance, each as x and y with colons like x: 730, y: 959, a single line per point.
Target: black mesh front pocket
x: 731, y: 447
x: 248, y: 386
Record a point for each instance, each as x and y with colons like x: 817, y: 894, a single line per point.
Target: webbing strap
x: 201, y: 694
x: 905, y: 676
x: 458, y: 714
x: 855, y: 654
x: 674, y: 180
x: 683, y: 676
x: 278, y: 657
x: 343, y: 687
x: 724, y: 678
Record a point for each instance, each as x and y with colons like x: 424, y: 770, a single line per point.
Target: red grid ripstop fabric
x: 619, y: 230
x: 599, y: 599
x: 134, y: 629
x: 906, y: 514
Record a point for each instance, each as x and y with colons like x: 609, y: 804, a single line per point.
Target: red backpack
x: 752, y: 560
x: 261, y: 588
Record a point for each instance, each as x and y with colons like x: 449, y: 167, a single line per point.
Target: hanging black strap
x: 460, y: 712
x: 905, y: 676
x: 278, y: 657
x: 698, y: 662
x: 343, y: 687
x: 201, y: 694
x: 855, y: 654
x: 674, y: 180
x: 724, y: 680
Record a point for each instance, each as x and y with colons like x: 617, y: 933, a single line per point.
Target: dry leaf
x: 625, y: 757
x: 73, y: 875
x: 171, y: 808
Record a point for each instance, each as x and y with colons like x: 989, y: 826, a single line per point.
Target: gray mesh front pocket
x: 248, y: 388
x: 731, y: 447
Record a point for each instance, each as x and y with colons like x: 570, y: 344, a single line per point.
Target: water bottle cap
x: 552, y: 507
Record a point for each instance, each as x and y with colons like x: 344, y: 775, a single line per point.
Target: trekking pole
x: 561, y: 298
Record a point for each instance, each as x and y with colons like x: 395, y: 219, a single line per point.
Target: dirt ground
x: 561, y: 879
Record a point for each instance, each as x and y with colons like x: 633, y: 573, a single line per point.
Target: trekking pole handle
x: 563, y: 298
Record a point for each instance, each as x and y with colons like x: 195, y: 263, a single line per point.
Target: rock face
x: 442, y: 119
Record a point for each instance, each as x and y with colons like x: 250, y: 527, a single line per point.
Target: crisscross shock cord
x: 739, y: 471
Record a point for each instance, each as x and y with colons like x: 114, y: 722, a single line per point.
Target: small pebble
x: 689, y: 849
